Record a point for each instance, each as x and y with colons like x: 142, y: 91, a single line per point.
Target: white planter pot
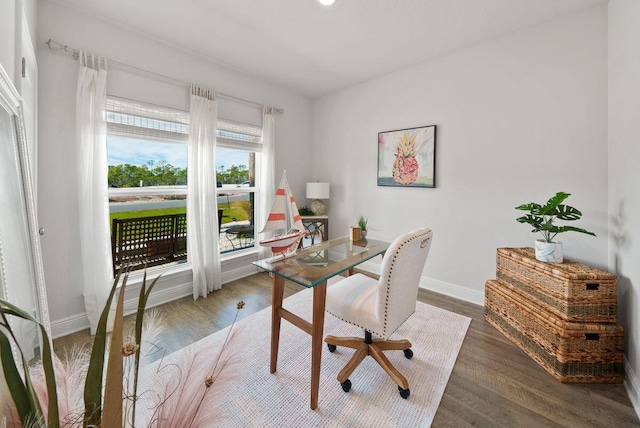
x: 550, y: 252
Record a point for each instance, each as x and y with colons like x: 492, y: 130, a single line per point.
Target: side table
x: 316, y: 225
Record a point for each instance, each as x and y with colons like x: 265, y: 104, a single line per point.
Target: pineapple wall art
x: 406, y: 157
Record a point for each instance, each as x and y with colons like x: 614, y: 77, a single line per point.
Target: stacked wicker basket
x: 562, y: 315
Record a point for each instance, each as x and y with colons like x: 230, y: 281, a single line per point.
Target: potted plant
x: 305, y: 211
x: 542, y: 218
x: 362, y: 224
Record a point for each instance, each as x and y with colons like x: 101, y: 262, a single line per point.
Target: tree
x: 161, y: 173
x: 235, y: 174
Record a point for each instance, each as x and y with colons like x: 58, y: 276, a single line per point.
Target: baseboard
x: 241, y: 272
x: 159, y: 296
x: 68, y: 325
x: 182, y: 286
x: 451, y: 290
x: 79, y: 322
x: 632, y: 385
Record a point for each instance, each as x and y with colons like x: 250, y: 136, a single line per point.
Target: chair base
x: 373, y: 347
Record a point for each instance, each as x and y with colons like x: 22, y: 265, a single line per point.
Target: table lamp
x: 318, y: 191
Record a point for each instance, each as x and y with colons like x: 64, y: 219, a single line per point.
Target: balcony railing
x: 152, y: 240
x: 162, y: 239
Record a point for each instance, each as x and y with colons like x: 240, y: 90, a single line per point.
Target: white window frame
x: 247, y: 138
x: 165, y: 124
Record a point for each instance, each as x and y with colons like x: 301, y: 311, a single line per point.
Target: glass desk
x: 311, y: 268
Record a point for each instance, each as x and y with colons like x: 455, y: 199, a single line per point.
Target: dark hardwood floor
x: 493, y: 384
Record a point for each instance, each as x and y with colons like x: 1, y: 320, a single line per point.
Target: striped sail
x: 294, y: 214
x: 284, y: 218
x: 284, y: 215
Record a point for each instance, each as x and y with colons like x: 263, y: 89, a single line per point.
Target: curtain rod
x: 53, y: 45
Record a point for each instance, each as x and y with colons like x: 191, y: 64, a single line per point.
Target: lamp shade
x: 317, y: 190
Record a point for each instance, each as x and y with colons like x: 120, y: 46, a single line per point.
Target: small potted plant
x: 305, y: 211
x: 542, y: 218
x: 362, y: 224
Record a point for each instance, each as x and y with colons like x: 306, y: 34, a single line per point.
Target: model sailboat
x: 284, y: 220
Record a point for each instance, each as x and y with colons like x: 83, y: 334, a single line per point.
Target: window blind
x: 239, y: 136
x: 136, y: 119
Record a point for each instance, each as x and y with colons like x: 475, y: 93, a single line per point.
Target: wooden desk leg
x: 317, y: 331
x: 276, y: 304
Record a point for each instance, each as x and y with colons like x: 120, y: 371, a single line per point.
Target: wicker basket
x: 569, y: 351
x: 572, y: 291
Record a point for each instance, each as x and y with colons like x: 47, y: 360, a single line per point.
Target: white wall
x: 624, y: 176
x: 8, y: 36
x: 31, y: 13
x: 11, y: 29
x: 518, y: 118
x: 57, y: 84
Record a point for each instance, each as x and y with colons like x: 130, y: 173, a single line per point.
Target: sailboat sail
x: 285, y: 219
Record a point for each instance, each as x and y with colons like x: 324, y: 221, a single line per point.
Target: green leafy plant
x: 362, y: 222
x: 110, y: 375
x: 22, y: 390
x: 99, y: 410
x: 305, y: 211
x: 542, y: 217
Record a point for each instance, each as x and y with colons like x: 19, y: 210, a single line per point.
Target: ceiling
x: 314, y: 49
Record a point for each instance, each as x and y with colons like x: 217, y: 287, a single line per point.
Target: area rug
x: 245, y: 393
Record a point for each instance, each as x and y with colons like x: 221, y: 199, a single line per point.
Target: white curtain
x: 265, y: 172
x: 93, y: 196
x: 202, y: 207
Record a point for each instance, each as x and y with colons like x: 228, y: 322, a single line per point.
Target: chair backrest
x: 400, y: 274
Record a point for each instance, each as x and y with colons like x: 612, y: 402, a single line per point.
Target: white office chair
x: 380, y: 306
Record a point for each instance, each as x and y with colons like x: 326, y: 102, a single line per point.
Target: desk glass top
x: 312, y: 265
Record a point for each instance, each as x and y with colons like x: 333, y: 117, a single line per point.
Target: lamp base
x: 318, y: 207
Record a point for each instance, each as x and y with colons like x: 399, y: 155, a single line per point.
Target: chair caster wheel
x: 404, y: 393
x: 332, y: 348
x: 408, y: 353
x: 346, y: 385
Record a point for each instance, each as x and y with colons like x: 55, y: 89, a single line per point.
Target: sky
x: 122, y: 150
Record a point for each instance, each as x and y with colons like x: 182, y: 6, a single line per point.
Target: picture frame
x: 407, y: 157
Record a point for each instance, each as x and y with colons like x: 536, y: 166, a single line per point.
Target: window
x: 236, y: 147
x: 147, y: 158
